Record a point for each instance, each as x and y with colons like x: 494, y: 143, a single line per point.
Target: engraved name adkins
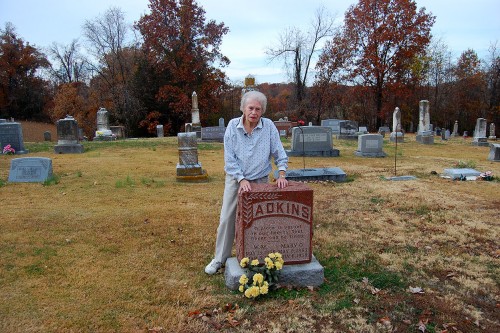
x: 274, y: 220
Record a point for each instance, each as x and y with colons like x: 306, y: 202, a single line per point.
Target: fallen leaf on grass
x: 374, y: 290
x: 421, y: 326
x: 416, y: 290
x: 385, y: 321
x: 155, y: 329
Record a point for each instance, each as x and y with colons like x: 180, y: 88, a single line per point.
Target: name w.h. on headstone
x: 30, y: 170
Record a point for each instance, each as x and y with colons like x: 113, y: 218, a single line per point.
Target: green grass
x: 465, y: 165
x: 128, y: 182
x: 52, y: 180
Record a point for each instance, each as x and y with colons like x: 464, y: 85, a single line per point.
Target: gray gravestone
x: 188, y: 168
x: 480, y: 133
x: 221, y: 122
x: 370, y: 145
x: 425, y: 134
x: 215, y: 133
x: 67, y: 137
x: 455, y: 129
x: 492, y: 132
x: 103, y: 132
x: 334, y: 124
x: 12, y: 134
x: 30, y: 169
x: 363, y: 130
x: 47, y: 136
x: 348, y: 130
x: 159, y: 131
x: 459, y: 173
x: 312, y: 141
x: 383, y: 129
x: 494, y: 154
x: 396, y: 134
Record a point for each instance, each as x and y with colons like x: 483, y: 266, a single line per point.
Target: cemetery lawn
x: 112, y: 243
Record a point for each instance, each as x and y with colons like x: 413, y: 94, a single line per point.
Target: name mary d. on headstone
x: 275, y: 220
x: 30, y: 169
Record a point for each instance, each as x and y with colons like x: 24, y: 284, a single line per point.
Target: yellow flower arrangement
x: 264, y: 278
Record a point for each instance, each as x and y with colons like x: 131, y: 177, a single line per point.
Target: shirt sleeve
x: 277, y: 150
x: 231, y: 165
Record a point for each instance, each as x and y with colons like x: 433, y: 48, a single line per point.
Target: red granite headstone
x: 284, y: 126
x: 275, y: 220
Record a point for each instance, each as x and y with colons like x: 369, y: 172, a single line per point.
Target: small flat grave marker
x: 30, y: 170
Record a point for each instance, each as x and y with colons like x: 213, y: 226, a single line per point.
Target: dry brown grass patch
x: 117, y: 245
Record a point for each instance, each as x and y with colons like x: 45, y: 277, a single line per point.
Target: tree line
x: 382, y: 56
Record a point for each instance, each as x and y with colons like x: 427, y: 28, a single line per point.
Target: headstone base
x: 482, y: 142
x: 494, y: 154
x: 332, y: 174
x: 492, y: 138
x: 425, y: 139
x: 365, y: 154
x: 105, y: 138
x: 68, y: 149
x: 319, y: 153
x: 189, y: 170
x: 200, y: 178
x: 301, y: 275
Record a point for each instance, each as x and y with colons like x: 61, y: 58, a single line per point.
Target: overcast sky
x: 254, y: 25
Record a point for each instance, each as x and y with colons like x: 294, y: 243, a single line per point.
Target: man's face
x: 253, y: 111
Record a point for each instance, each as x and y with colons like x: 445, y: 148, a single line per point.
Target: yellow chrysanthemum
x: 252, y: 292
x: 242, y: 289
x: 278, y: 255
x: 255, y: 262
x: 269, y: 263
x: 264, y: 289
x: 279, y: 265
x: 258, y: 279
x: 271, y: 255
x: 243, y: 279
x: 244, y: 262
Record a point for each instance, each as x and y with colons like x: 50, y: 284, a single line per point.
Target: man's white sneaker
x: 213, y: 267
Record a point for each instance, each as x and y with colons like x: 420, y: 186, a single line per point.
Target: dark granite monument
x: 68, y: 141
x: 11, y: 133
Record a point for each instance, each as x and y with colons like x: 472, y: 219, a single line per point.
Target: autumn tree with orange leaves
x: 377, y: 46
x: 184, y: 50
x: 23, y: 93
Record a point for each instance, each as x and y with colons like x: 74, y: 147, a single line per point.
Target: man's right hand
x: 244, y: 186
